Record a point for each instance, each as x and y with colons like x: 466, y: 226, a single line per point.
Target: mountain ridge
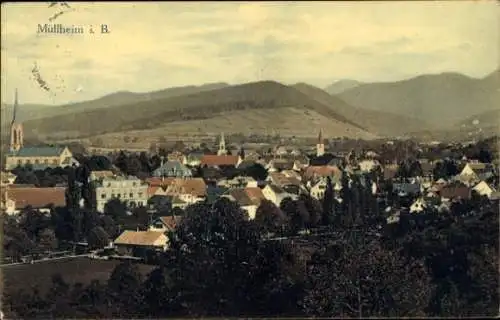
x: 441, y: 99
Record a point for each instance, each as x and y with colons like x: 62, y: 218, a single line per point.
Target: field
x: 82, y: 270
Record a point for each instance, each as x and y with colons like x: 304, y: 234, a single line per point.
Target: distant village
x: 407, y: 184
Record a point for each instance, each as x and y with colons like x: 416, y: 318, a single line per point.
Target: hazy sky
x: 152, y: 46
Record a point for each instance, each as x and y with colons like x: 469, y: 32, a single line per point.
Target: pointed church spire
x: 222, y: 145
x: 320, y: 147
x: 15, y: 107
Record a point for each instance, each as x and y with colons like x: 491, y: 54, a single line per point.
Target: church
x: 322, y: 158
x: 38, y: 157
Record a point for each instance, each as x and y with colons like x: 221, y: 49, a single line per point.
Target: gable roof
x: 38, y: 152
x: 170, y: 221
x: 282, y: 180
x: 140, y: 238
x: 193, y: 186
x: 37, y: 197
x: 322, y: 171
x: 215, y: 160
x: 247, y: 196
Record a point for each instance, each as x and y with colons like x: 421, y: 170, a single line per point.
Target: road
x: 44, y: 260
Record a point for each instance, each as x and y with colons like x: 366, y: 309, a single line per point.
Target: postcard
x: 249, y: 159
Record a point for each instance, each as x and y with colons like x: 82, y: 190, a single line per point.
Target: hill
x: 30, y: 112
x: 441, y: 99
x: 378, y: 122
x: 207, y: 105
x: 341, y: 86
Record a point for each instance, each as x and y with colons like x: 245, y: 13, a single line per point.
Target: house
x: 277, y: 165
x: 454, y: 191
x: 134, y: 243
x: 249, y: 199
x: 419, y: 205
x: 217, y: 161
x: 276, y: 194
x: 158, y: 186
x: 41, y: 199
x: 7, y: 178
x: 172, y: 168
x: 282, y: 179
x: 165, y: 223
x: 237, y: 182
x: 317, y: 191
x: 317, y: 172
x: 187, y: 191
x: 474, y: 172
x: 483, y: 189
x: 130, y: 190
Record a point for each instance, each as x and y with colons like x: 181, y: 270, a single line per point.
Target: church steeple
x: 320, y: 146
x: 222, y: 146
x: 14, y: 112
x: 16, y: 129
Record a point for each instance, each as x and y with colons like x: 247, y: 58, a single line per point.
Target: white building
x: 276, y: 194
x: 483, y: 189
x: 130, y: 190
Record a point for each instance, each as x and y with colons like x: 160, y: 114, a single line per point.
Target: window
x: 119, y: 195
x: 55, y: 161
x: 103, y: 196
x: 113, y: 195
x: 139, y: 194
x: 46, y: 161
x: 131, y: 195
x: 134, y: 184
x: 37, y: 161
x: 28, y: 161
x: 19, y: 162
x: 109, y: 184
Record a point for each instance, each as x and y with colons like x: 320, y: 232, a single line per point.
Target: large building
x: 38, y: 157
x: 130, y: 190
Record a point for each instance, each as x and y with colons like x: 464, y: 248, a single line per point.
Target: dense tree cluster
x: 222, y: 264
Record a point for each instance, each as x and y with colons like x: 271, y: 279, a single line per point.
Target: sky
x: 156, y: 45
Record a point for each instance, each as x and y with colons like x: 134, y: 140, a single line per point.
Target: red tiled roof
x: 214, y: 160
x: 37, y: 197
x: 322, y: 171
x: 158, y: 181
x: 255, y: 194
x: 171, y: 221
x: 193, y: 186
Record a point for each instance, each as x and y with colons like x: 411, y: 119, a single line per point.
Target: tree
x: 217, y: 257
x: 256, y: 171
x: 124, y: 288
x: 269, y: 218
x: 47, y: 240
x: 349, y: 280
x: 157, y: 295
x: 97, y: 238
x: 328, y: 204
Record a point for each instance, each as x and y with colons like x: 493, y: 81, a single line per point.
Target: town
x: 66, y: 202
x: 250, y: 160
